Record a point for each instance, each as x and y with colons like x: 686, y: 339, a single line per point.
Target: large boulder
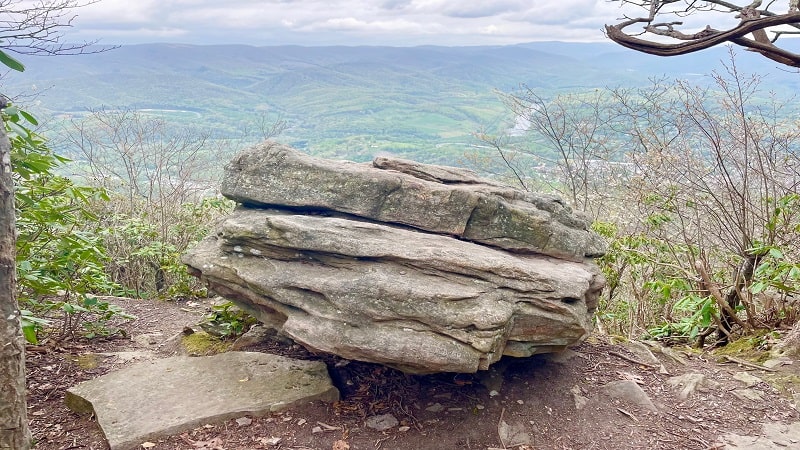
x: 423, y: 268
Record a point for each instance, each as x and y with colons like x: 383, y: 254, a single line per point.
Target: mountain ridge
x: 376, y: 98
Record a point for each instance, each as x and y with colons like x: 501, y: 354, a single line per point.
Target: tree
x: 752, y: 20
x: 25, y: 28
x: 696, y: 185
x: 664, y: 35
x: 713, y: 191
x: 569, y: 133
x: 14, y: 432
x: 161, y: 181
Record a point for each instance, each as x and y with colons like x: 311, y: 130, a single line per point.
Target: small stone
x: 403, y: 429
x: 271, y: 441
x: 630, y: 392
x: 435, y: 408
x: 748, y: 379
x: 316, y: 430
x: 493, y: 394
x: 479, y: 407
x: 690, y: 383
x: 580, y: 400
x: 382, y: 422
x: 520, y: 402
x: 776, y: 362
x: 301, y: 422
x: 796, y: 398
x: 244, y: 421
x: 513, y: 434
x: 747, y: 394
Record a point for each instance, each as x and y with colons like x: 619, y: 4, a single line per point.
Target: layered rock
x: 423, y: 268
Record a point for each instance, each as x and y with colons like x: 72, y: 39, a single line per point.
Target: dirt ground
x: 543, y: 402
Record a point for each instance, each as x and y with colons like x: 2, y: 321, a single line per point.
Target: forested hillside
x: 421, y: 102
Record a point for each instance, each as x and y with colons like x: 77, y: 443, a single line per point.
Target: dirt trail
x: 596, y: 396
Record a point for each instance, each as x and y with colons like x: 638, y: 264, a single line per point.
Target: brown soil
x: 446, y: 411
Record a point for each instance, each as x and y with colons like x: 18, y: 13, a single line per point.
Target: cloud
x: 378, y: 26
x: 309, y: 22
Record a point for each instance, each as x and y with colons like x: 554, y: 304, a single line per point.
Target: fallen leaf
x: 340, y: 445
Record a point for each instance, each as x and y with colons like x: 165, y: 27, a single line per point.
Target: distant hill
x: 421, y: 102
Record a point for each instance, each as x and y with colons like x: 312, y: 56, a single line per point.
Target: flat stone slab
x: 158, y: 398
x: 775, y: 436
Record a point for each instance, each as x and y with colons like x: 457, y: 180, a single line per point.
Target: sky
x: 343, y: 22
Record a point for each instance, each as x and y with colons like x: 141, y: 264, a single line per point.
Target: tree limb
x: 752, y: 21
x: 716, y: 294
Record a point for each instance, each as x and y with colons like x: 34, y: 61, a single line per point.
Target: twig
x: 502, y: 442
x: 629, y: 359
x: 631, y: 416
x: 327, y: 427
x: 748, y: 364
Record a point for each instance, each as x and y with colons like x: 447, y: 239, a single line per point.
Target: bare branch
x: 752, y: 21
x: 37, y: 28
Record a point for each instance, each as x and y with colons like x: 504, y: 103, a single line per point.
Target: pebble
x: 382, y: 422
x: 493, y: 394
x: 244, y: 421
x: 436, y: 407
x: 748, y: 379
x: 273, y: 441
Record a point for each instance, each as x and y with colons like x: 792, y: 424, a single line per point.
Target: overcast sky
x: 347, y: 22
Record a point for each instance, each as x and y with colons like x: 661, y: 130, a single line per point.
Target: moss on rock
x: 204, y: 344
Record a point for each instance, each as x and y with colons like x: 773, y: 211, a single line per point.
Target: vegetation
x: 123, y: 234
x: 226, y: 320
x: 694, y: 186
